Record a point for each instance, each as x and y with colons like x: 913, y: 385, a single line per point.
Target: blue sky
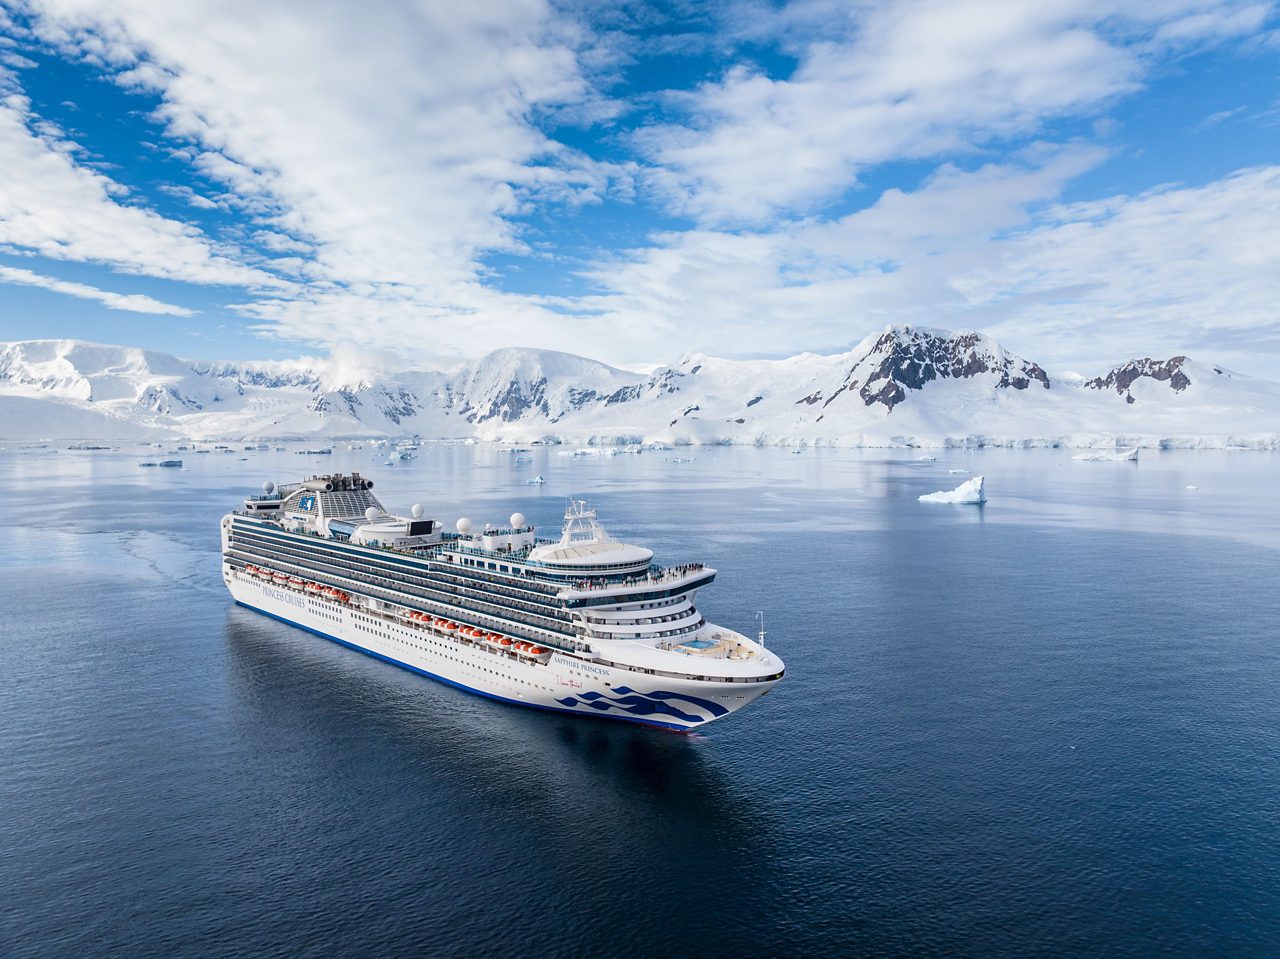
x: 1085, y: 182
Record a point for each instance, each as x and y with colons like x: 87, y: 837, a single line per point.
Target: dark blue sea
x: 1049, y: 726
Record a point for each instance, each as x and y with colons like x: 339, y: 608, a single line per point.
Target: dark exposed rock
x: 906, y: 360
x: 753, y: 401
x: 162, y: 399
x: 513, y: 402
x: 664, y: 381
x: 1164, y: 371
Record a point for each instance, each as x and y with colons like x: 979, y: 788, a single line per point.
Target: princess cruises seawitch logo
x: 656, y: 703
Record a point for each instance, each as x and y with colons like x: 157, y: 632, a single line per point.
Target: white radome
x: 370, y: 514
x: 416, y: 510
x: 517, y: 520
x: 268, y: 487
x: 464, y: 526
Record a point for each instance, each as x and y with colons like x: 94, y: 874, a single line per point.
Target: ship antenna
x: 760, y: 616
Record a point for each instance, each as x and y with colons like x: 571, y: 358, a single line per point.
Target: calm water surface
x: 1048, y: 726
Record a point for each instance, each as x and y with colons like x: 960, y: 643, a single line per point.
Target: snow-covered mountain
x: 903, y: 386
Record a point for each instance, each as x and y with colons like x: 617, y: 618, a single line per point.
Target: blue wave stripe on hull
x: 454, y: 683
x: 714, y: 708
x: 636, y: 704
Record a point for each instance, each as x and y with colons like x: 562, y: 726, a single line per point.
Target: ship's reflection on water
x: 460, y: 794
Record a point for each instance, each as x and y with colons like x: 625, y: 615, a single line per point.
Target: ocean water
x: 1048, y: 726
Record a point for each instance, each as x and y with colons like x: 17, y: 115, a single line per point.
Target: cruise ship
x: 582, y: 624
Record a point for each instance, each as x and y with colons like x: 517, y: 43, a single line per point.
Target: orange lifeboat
x: 505, y: 642
x: 451, y: 626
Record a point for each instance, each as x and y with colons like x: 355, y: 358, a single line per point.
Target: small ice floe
x: 926, y: 459
x: 536, y: 481
x: 967, y: 493
x: 1192, y: 487
x: 1119, y: 456
x: 957, y: 472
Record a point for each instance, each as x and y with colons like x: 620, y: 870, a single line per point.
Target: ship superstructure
x: 582, y: 624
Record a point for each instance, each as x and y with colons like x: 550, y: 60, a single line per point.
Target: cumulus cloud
x: 54, y: 206
x: 393, y: 144
x: 132, y: 302
x: 1173, y: 270
x: 1176, y: 269
x: 907, y: 80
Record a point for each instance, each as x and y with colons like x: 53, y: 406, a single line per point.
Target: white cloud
x: 396, y: 141
x: 132, y: 302
x: 907, y: 80
x: 53, y: 206
x: 1174, y: 270
x: 827, y: 283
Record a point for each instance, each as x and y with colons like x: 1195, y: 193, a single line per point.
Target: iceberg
x: 536, y: 481
x: 970, y: 492
x: 1120, y: 456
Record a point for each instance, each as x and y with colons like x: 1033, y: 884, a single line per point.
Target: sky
x: 427, y: 181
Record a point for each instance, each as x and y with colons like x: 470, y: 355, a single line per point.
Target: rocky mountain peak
x: 1122, y: 378
x: 904, y: 359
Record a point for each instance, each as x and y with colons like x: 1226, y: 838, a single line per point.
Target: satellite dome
x: 416, y: 510
x: 371, y: 514
x: 268, y: 487
x: 464, y: 526
x: 517, y: 520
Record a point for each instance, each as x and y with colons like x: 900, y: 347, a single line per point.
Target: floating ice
x: 957, y: 471
x: 536, y: 481
x: 1120, y: 456
x: 968, y: 492
x: 1193, y: 487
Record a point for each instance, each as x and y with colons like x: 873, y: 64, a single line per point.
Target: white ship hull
x: 564, y: 684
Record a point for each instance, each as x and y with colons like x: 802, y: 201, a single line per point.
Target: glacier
x: 900, y: 387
